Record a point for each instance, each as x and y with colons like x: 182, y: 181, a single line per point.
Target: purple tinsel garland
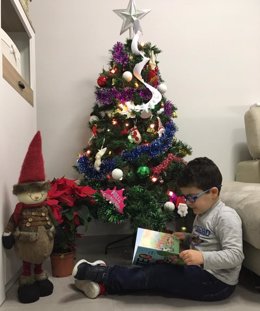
x: 119, y: 55
x: 157, y: 147
x: 107, y: 96
x: 168, y: 108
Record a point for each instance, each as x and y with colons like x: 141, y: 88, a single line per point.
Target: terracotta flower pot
x: 62, y: 264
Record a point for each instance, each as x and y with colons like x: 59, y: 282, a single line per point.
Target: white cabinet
x: 18, y: 49
x: 18, y: 120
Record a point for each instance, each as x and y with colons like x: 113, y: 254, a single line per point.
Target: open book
x: 156, y: 247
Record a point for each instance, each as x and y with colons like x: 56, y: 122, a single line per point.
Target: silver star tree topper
x: 130, y: 15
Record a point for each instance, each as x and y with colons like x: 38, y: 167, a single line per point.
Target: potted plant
x: 69, y: 203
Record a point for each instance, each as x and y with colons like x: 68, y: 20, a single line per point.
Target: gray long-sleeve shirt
x: 218, y: 235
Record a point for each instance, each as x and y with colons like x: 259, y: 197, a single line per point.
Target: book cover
x: 156, y: 247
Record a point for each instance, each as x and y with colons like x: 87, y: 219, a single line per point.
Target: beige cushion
x: 252, y: 258
x: 252, y: 127
x: 245, y: 199
x: 248, y: 171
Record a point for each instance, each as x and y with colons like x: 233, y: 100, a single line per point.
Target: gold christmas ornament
x: 152, y: 61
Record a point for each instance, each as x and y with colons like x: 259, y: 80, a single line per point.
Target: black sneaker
x: 93, y: 271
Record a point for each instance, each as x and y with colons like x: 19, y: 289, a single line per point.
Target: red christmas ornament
x: 102, y: 81
x: 124, y: 132
x: 153, y: 78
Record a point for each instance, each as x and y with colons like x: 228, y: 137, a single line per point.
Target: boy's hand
x: 192, y: 257
x: 179, y: 235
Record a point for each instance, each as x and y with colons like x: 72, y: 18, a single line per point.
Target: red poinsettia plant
x: 69, y: 203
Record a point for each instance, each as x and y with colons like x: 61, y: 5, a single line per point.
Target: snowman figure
x: 30, y: 228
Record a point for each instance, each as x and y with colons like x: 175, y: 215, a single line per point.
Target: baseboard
x: 13, y: 280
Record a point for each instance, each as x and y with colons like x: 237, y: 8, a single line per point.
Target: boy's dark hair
x: 201, y: 173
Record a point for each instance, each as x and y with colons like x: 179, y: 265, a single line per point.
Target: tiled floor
x: 66, y: 297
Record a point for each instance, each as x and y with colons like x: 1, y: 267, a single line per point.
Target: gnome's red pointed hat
x: 32, y: 172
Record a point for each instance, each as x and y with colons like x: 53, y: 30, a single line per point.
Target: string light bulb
x: 154, y: 179
x: 170, y: 193
x: 113, y: 70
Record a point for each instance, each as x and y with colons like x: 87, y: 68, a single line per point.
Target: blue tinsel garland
x: 156, y: 148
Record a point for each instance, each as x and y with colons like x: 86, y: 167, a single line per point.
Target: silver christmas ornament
x: 130, y: 15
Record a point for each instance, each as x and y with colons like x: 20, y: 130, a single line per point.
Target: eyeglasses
x: 192, y: 198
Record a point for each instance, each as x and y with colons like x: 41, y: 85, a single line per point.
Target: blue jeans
x: 190, y: 282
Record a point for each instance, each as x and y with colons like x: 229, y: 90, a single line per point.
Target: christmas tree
x: 133, y: 156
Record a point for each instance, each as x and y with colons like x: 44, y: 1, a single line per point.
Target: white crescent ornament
x: 98, y: 158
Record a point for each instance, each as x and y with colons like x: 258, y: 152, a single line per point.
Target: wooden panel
x: 10, y: 21
x: 16, y: 81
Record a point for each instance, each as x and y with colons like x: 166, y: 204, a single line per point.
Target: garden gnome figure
x: 31, y: 226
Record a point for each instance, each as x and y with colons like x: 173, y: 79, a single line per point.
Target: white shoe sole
x: 89, y: 288
x: 95, y: 263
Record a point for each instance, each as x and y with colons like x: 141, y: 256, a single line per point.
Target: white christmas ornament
x: 117, y: 174
x: 169, y: 206
x: 127, y: 75
x: 93, y: 119
x: 162, y: 88
x: 182, y: 209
